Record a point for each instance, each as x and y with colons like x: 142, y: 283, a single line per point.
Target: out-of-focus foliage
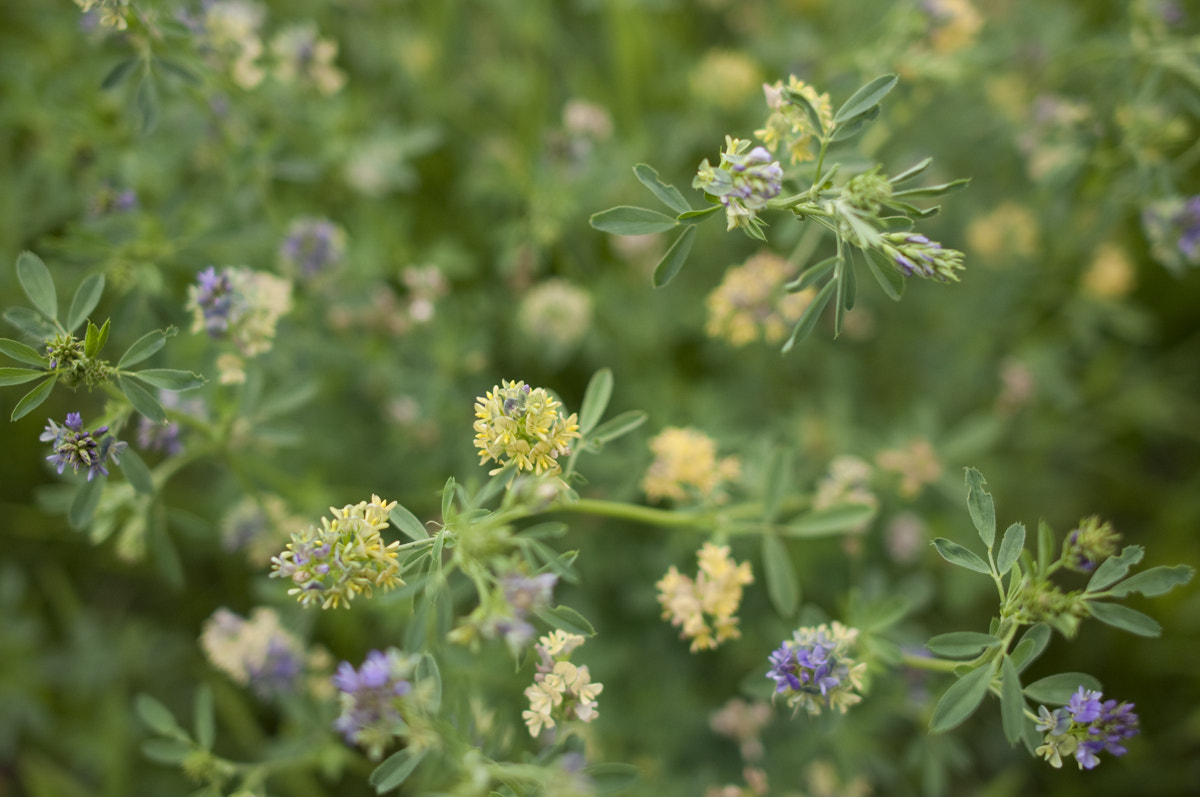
x: 420, y: 176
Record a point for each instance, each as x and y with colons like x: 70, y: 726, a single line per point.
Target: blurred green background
x: 478, y: 137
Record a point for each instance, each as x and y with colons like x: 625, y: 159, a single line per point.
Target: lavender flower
x: 373, y: 698
x: 1085, y: 727
x: 1089, y: 544
x: 744, y: 182
x: 312, y: 246
x: 814, y: 669
x: 212, y: 300
x: 1172, y: 226
x: 915, y: 255
x: 75, y: 447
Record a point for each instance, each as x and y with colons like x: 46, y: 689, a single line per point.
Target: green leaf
x: 169, y: 378
x: 890, y: 280
x: 961, y: 644
x: 1011, y: 547
x: 33, y: 398
x: 778, y: 476
x: 118, y: 73
x: 166, y: 751
x: 567, y: 619
x: 782, y: 585
x: 87, y: 296
x: 430, y: 678
x: 852, y: 127
x: 1032, y: 643
x: 157, y: 717
x: 395, y: 769
x: 22, y: 353
x: 595, y: 400
x: 407, y: 523
x: 1124, y: 618
x: 147, y: 104
x: 611, y: 777
x: 448, y: 501
x: 136, y: 472
x: 19, y: 376
x: 38, y: 284
x: 673, y: 260
x: 30, y: 322
x: 1012, y: 704
x: 142, y: 399
x: 557, y: 562
x: 616, y: 427
x: 961, y: 699
x: 178, y: 70
x: 1045, y: 547
x: 955, y: 554
x: 830, y: 521
x: 205, y: 719
x: 812, y: 274
x: 1057, y: 689
x: 627, y: 220
x: 979, y: 504
x: 952, y: 187
x: 668, y: 194
x: 693, y: 217
x: 1155, y: 581
x: 866, y: 98
x: 1114, y: 568
x: 848, y: 289
x: 911, y: 172
x: 95, y: 338
x: 798, y: 99
x: 808, y: 319
x: 145, y: 346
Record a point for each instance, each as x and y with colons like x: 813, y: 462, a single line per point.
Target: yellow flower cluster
x: 112, y: 12
x: 560, y: 687
x: 303, y: 57
x: 716, y: 592
x: 344, y: 558
x: 751, y: 304
x: 790, y: 125
x: 685, y: 464
x: 516, y: 423
x: 917, y: 465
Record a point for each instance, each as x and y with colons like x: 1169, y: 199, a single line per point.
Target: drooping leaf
x: 783, y: 587
x: 395, y: 769
x: 1031, y: 645
x: 673, y: 260
x: 157, y: 717
x: 142, y: 399
x: 890, y: 280
x: 808, y: 319
x: 118, y: 73
x: 812, y: 274
x: 1012, y: 703
x: 136, y: 472
x: 31, y: 400
x: 961, y: 699
x: 866, y: 98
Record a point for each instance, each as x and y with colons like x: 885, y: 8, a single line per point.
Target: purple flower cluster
x: 1188, y: 221
x: 312, y: 246
x: 797, y: 669
x: 916, y: 255
x: 213, y: 296
x: 815, y: 669
x: 523, y: 594
x: 372, y: 696
x: 1085, y: 727
x: 757, y: 177
x: 78, y: 448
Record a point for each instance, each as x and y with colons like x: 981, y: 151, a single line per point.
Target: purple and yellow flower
x: 81, y: 449
x: 374, y: 698
x: 815, y: 669
x: 1085, y: 727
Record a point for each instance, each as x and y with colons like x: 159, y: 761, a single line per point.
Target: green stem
x: 924, y: 663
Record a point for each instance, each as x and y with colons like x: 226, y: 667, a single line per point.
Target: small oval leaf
x: 961, y: 699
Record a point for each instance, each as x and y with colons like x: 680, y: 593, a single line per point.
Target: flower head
x: 751, y: 303
x: 241, y: 305
x: 374, y: 698
x: 815, y: 669
x: 556, y: 315
x: 1085, y: 727
x: 561, y: 690
x: 255, y: 652
x: 917, y: 464
x: 686, y: 466
x: 789, y: 124
x: 705, y: 608
x: 1173, y: 227
x: 1089, y: 544
x: 915, y: 255
x: 519, y: 424
x: 78, y: 448
x: 303, y: 57
x: 743, y: 182
x: 312, y: 247
x: 343, y: 558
